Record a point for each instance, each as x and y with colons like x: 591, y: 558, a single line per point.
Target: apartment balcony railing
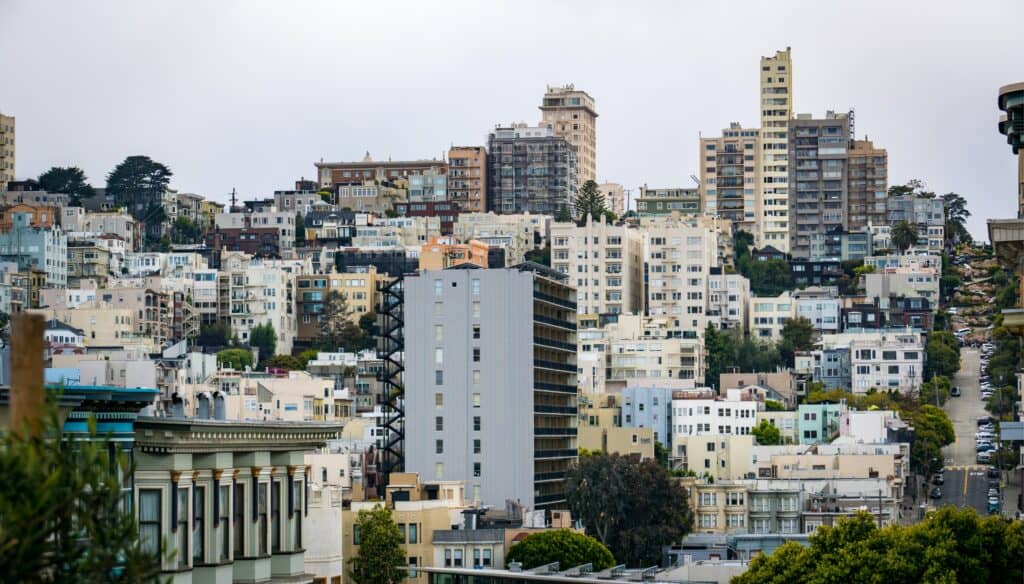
x: 554, y: 344
x: 544, y: 499
x: 558, y: 410
x: 541, y: 477
x: 555, y: 300
x: 555, y: 366
x: 555, y: 321
x: 559, y: 387
x: 555, y: 453
x: 554, y: 431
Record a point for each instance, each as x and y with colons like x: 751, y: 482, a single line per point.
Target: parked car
x: 986, y: 420
x: 955, y: 392
x: 993, y: 492
x: 993, y: 507
x: 985, y: 447
x: 993, y: 472
x: 984, y: 457
x: 938, y: 479
x: 936, y: 493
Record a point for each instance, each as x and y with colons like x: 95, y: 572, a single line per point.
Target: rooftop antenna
x: 234, y: 197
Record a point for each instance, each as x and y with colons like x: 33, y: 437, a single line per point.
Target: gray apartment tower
x: 817, y: 178
x: 529, y: 169
x: 490, y: 381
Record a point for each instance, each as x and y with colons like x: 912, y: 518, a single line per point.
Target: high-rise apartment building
x: 730, y: 176
x: 467, y: 178
x: 531, y: 170
x: 571, y: 114
x: 1011, y: 124
x: 817, y: 178
x: 776, y: 111
x: 867, y: 182
x: 490, y: 372
x: 679, y: 261
x: 605, y: 262
x: 7, y: 151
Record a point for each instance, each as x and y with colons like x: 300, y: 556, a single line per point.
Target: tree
x: 237, y: 359
x: 950, y: 545
x: 904, y: 235
x: 138, y: 184
x: 770, y: 277
x: 932, y: 431
x: 300, y: 230
x: 337, y: 331
x: 69, y: 180
x: 379, y: 558
x: 64, y: 518
x: 766, y: 433
x: 184, y: 230
x: 283, y: 362
x: 540, y: 256
x: 567, y: 547
x: 589, y: 203
x: 942, y: 355
x: 563, y: 215
x: 956, y: 221
x: 797, y: 335
x: 742, y: 242
x: 213, y: 335
x: 306, y: 356
x: 602, y: 494
x: 730, y: 351
x: 263, y: 337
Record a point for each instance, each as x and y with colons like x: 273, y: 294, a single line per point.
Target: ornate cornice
x: 172, y: 436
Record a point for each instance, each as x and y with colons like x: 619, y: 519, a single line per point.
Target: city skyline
x: 252, y: 96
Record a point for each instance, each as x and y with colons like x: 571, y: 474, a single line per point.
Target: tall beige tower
x: 6, y: 151
x: 776, y: 111
x: 571, y: 114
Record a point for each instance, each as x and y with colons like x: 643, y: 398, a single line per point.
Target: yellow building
x: 571, y: 114
x: 418, y: 509
x: 600, y: 428
x: 103, y: 327
x: 718, y: 508
x: 357, y: 286
x: 776, y: 101
x: 723, y: 457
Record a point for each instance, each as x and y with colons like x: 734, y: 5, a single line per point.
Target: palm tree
x: 904, y: 235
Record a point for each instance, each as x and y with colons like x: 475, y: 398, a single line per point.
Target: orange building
x: 438, y: 254
x: 42, y: 215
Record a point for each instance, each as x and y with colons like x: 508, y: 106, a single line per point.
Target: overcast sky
x: 248, y: 95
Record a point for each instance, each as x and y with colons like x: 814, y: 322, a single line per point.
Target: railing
x: 555, y: 453
x: 561, y: 388
x: 554, y: 321
x: 544, y: 409
x: 548, y: 476
x: 554, y: 344
x: 566, y: 367
x: 542, y: 499
x: 554, y: 431
x: 555, y: 300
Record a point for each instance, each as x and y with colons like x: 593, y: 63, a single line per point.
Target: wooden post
x: 27, y: 392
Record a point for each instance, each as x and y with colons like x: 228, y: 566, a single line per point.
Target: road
x: 965, y: 482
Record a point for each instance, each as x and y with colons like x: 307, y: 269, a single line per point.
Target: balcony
x: 554, y: 344
x: 555, y: 453
x: 546, y: 499
x: 560, y: 388
x: 554, y: 431
x: 542, y: 477
x: 555, y: 322
x: 560, y: 302
x: 558, y: 410
x: 554, y: 366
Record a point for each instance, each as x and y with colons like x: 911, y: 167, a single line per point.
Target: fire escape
x: 391, y: 349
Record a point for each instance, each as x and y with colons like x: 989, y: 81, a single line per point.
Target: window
x: 438, y: 332
x: 439, y: 424
x: 487, y: 557
x: 225, y: 521
x: 198, y: 523
x: 474, y: 286
x: 476, y: 310
x: 275, y: 515
x: 439, y: 399
x: 297, y: 512
x: 457, y: 560
x: 476, y: 469
x: 263, y: 521
x: 476, y: 446
x: 439, y: 356
x: 437, y: 308
x: 439, y: 446
x: 476, y: 377
x: 356, y: 539
x: 150, y: 528
x: 439, y: 379
x: 476, y: 400
x: 181, y: 527
x: 438, y: 287
x: 476, y: 354
x: 476, y: 423
x: 413, y: 533
x: 476, y: 331
x: 238, y: 523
